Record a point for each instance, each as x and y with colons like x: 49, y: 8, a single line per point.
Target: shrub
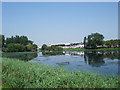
x: 15, y: 47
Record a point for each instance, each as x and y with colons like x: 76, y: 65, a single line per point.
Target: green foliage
x: 18, y: 44
x: 53, y: 53
x: 55, y: 48
x: 15, y: 47
x: 84, y: 49
x: 94, y: 40
x: 112, y: 43
x: 51, y: 48
x: 2, y: 41
x: 20, y: 74
x: 44, y: 47
x: 19, y: 39
x: 84, y: 42
x: 31, y: 47
x: 25, y: 56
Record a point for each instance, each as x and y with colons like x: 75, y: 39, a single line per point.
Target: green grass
x: 20, y: 74
x: 83, y: 49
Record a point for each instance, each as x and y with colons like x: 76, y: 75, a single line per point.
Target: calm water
x: 103, y: 62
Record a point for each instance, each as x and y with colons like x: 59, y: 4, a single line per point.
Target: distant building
x: 69, y: 45
x: 80, y: 45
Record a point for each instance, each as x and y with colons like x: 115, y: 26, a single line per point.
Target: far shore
x: 83, y: 49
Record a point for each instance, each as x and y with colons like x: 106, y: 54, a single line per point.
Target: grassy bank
x: 20, y: 74
x: 83, y: 49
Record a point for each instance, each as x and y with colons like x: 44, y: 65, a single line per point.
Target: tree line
x: 95, y: 40
x: 112, y: 43
x: 17, y: 44
x: 92, y: 41
x: 51, y: 48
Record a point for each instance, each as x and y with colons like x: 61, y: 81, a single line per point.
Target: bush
x: 31, y: 47
x: 51, y: 48
x: 15, y: 47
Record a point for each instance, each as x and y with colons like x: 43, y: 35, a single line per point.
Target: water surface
x: 103, y: 62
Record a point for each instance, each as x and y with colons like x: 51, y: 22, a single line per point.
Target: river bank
x: 20, y: 74
x: 83, y: 49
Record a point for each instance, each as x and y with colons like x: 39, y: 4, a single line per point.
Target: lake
x: 103, y: 62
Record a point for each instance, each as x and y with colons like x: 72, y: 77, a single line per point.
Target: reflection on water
x: 81, y: 53
x: 94, y: 58
x: 52, y: 53
x: 104, y: 62
x: 105, y: 54
x: 26, y: 56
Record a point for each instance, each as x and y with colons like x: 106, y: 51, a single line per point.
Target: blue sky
x: 52, y: 23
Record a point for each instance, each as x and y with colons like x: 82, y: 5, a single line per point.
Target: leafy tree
x: 44, y: 47
x: 19, y: 41
x: 51, y: 48
x: 55, y: 48
x: 84, y: 42
x: 2, y: 41
x: 112, y: 43
x: 29, y: 47
x: 34, y: 47
x: 15, y: 47
x: 94, y: 40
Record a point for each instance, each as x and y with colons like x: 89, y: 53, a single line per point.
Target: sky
x: 59, y: 22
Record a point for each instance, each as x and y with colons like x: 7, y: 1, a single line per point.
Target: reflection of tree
x: 52, y: 53
x: 112, y: 54
x: 21, y: 56
x: 94, y: 58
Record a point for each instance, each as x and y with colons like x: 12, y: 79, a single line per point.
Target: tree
x: 31, y: 47
x: 19, y: 39
x: 44, y: 47
x: 2, y: 41
x: 15, y: 43
x: 55, y: 48
x: 15, y: 47
x: 34, y: 47
x: 112, y: 43
x: 84, y: 42
x: 94, y: 40
x: 51, y: 48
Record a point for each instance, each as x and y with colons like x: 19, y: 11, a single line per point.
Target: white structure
x: 81, y: 45
x: 68, y: 45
